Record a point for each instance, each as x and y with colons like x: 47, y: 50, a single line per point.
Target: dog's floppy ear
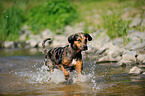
x: 71, y: 38
x: 88, y: 36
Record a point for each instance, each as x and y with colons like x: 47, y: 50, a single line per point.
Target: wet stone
x: 9, y: 44
x: 135, y: 71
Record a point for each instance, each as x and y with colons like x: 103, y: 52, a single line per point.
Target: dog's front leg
x: 66, y: 74
x: 78, y: 68
x: 51, y: 66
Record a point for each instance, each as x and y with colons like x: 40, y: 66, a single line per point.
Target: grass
x: 11, y: 22
x: 52, y: 14
x: 111, y: 16
x: 56, y: 14
x: 116, y: 27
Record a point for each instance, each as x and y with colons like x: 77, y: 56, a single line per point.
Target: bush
x: 11, y: 21
x: 116, y: 27
x: 54, y: 15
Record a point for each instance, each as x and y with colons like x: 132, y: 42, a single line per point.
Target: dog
x: 68, y: 57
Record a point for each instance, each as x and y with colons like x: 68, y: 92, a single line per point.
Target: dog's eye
x: 79, y: 41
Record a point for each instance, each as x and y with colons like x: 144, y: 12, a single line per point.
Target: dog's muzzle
x: 85, y: 47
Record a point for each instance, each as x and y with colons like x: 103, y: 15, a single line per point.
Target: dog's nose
x: 85, y: 47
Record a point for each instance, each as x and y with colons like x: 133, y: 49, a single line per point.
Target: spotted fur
x: 62, y: 57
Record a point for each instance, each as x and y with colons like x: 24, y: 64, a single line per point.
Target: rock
x: 105, y: 39
x: 135, y: 71
x: 143, y: 73
x: 136, y: 40
x: 101, y: 51
x: 108, y: 45
x: 113, y: 51
x: 124, y: 63
x: 143, y: 62
x: 141, y: 66
x: 24, y: 34
x: 118, y: 42
x: 69, y: 30
x: 106, y: 59
x: 129, y: 56
x: 143, y: 23
x: 60, y: 40
x: 135, y: 22
x: 8, y: 44
x: 141, y: 57
x: 131, y: 31
x: 23, y: 37
x: 136, y: 35
x: 131, y: 44
x: 94, y: 44
x: 22, y: 44
x: 35, y: 37
x: 139, y: 46
x: 33, y: 43
x: 47, y: 34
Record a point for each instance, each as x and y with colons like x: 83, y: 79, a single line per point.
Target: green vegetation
x: 10, y: 23
x: 52, y: 14
x: 116, y: 27
x: 56, y: 14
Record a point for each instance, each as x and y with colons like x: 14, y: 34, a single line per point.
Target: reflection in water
x: 27, y: 75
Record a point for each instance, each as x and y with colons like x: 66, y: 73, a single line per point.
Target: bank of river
x: 22, y: 72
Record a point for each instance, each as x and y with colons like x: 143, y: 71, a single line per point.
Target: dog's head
x: 79, y: 41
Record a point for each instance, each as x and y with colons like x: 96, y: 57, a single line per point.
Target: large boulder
x: 139, y: 46
x: 128, y: 58
x: 135, y: 71
x: 136, y: 40
x: 129, y: 55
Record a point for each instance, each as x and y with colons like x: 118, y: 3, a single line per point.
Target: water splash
x: 41, y: 75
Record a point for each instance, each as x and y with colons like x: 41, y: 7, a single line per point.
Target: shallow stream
x: 22, y: 72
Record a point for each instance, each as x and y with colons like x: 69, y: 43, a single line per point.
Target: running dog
x: 68, y: 57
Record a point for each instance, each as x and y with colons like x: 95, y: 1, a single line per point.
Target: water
x: 22, y: 72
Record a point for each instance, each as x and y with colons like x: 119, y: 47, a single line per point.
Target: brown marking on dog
x: 66, y: 74
x: 78, y: 68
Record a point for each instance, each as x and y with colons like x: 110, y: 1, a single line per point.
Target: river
x: 22, y: 72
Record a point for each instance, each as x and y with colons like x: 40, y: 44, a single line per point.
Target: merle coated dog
x: 68, y: 57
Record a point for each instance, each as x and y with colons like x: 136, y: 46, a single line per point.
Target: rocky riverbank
x: 131, y: 54
x: 106, y: 50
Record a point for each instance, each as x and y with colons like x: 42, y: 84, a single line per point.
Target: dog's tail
x: 43, y: 44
